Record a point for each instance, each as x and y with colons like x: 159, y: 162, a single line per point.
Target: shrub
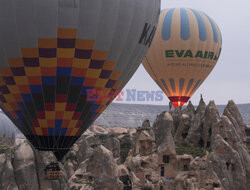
x: 3, y: 148
x: 102, y: 137
x: 184, y: 148
x: 248, y: 143
x: 89, y: 183
x: 71, y: 155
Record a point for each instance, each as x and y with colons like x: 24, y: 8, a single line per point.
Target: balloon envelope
x: 185, y: 49
x: 56, y: 55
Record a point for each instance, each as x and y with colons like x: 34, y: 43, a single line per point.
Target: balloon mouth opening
x: 178, y: 100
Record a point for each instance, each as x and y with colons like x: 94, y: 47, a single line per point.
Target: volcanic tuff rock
x: 22, y: 167
x: 232, y: 112
x: 163, y: 125
x: 145, y: 168
x: 43, y: 159
x: 226, y: 163
x: 195, y: 131
x: 144, y: 139
x: 110, y: 141
x: 98, y: 171
x: 185, y: 149
x: 225, y: 137
x: 182, y: 130
x: 167, y: 143
x: 25, y: 167
x: 7, y: 177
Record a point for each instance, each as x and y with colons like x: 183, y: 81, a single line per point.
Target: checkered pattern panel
x: 44, y: 92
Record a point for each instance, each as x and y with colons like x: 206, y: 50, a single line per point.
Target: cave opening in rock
x: 184, y: 135
x: 216, y: 184
x: 126, y: 182
x: 144, y: 164
x: 221, y: 128
x: 233, y: 167
x: 147, y: 177
x: 91, y: 178
x: 146, y: 188
x: 201, y: 143
x: 210, y: 132
x: 162, y: 171
x: 185, y: 167
x: 228, y: 164
x: 165, y: 159
x: 208, y: 144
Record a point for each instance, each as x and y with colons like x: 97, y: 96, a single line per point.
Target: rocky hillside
x: 114, y: 116
x: 184, y: 149
x: 135, y: 114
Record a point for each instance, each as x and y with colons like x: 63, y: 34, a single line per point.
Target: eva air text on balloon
x: 190, y: 54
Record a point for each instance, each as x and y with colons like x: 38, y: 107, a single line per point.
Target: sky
x: 230, y: 78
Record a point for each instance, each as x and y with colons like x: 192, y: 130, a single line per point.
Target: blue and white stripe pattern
x: 204, y: 23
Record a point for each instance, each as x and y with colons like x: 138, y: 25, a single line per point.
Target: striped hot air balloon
x: 186, y: 47
x: 53, y: 53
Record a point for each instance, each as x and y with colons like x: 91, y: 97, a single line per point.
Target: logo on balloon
x: 147, y: 35
x: 189, y: 53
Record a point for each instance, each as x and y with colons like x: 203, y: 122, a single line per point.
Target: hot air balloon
x: 185, y: 49
x: 54, y: 52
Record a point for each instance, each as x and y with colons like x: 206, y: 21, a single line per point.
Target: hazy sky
x: 230, y: 79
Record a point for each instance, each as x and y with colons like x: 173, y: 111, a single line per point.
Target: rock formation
x: 99, y: 171
x: 144, y: 140
x: 25, y: 167
x: 184, y: 149
x: 7, y: 177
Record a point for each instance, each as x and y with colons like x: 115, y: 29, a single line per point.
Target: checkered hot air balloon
x: 53, y: 52
x: 185, y: 49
